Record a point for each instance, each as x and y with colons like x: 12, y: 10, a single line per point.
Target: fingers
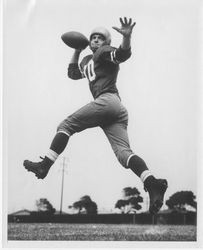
x: 126, y: 26
x: 78, y: 51
x: 133, y: 25
x: 115, y: 28
x: 121, y: 20
x: 124, y: 22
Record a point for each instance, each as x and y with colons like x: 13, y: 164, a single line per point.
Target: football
x: 75, y: 40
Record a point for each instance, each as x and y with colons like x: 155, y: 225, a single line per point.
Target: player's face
x: 96, y: 41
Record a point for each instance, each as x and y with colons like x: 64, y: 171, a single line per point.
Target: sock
x: 139, y: 167
x: 145, y: 174
x: 59, y: 142
x: 57, y: 146
x: 52, y: 155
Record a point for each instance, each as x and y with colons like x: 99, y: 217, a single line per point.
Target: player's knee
x: 122, y: 157
x: 64, y: 128
x: 60, y: 127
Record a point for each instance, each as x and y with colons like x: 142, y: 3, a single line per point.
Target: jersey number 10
x: 89, y: 71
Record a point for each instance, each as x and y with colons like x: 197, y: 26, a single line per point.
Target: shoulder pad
x: 102, y: 50
x: 105, y: 48
x: 86, y: 59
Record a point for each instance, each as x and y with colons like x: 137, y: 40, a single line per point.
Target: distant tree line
x: 85, y: 205
x: 131, y: 203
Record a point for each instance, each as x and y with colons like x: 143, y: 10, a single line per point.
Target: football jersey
x: 101, y: 69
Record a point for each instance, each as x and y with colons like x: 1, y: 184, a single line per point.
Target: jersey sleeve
x: 74, y: 71
x: 115, y: 55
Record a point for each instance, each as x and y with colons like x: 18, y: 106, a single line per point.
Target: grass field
x: 100, y: 232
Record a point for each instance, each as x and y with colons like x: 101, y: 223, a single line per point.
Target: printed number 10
x: 89, y: 71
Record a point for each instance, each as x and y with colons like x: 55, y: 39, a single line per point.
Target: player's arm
x: 126, y: 31
x: 124, y: 51
x: 73, y: 68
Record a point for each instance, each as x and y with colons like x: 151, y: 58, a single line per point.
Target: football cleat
x: 156, y: 189
x: 40, y: 169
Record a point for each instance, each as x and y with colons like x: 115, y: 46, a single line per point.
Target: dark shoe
x: 156, y: 189
x: 40, y: 169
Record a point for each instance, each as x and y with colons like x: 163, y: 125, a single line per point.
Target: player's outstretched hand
x: 126, y: 27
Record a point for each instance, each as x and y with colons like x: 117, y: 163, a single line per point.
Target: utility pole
x: 62, y: 184
x: 147, y: 203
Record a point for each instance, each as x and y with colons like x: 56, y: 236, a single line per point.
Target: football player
x: 105, y: 111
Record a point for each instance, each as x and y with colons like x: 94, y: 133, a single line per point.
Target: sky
x: 159, y: 85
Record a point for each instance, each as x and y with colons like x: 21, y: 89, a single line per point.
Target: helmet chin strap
x: 94, y: 49
x: 105, y: 43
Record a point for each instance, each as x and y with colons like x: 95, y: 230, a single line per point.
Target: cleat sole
x: 156, y: 206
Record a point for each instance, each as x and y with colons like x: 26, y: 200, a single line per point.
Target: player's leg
x: 117, y: 135
x: 41, y: 169
x: 91, y: 115
x: 118, y: 138
x: 155, y: 187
